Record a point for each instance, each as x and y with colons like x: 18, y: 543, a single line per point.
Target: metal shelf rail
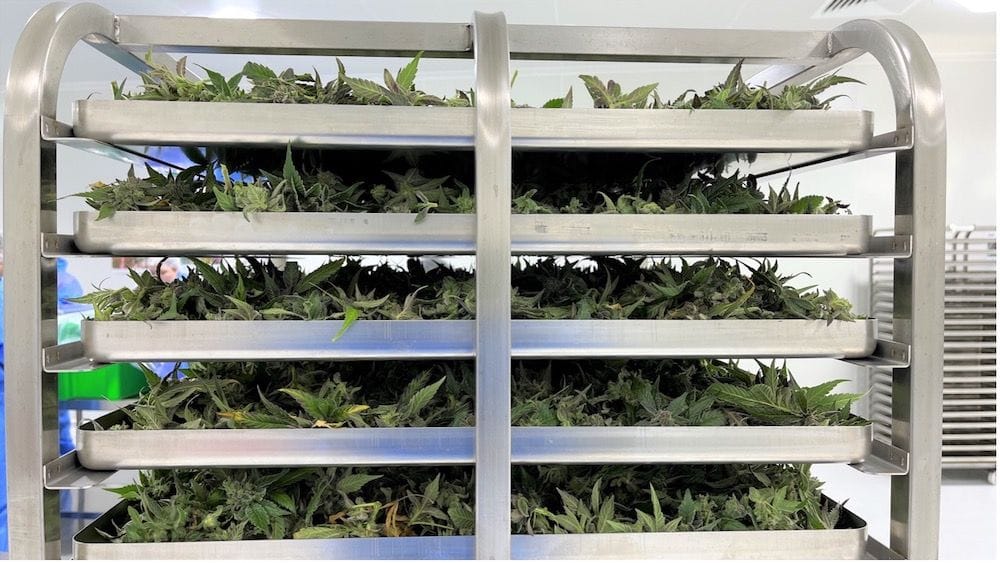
x: 970, y: 346
x: 105, y: 342
x: 492, y: 129
x: 106, y: 450
x: 139, y: 233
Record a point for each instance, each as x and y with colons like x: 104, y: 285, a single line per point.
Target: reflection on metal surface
x: 842, y: 543
x: 102, y: 449
x: 492, y: 336
x: 140, y: 233
x: 165, y: 341
x: 123, y: 122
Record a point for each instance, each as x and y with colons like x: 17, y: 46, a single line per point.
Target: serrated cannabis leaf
x: 421, y: 398
x: 351, y: 316
x: 617, y: 288
x: 355, y: 482
x: 630, y: 188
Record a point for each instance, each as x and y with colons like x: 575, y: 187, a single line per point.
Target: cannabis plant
x: 612, y: 288
x: 545, y: 393
x: 332, y: 502
x: 268, y: 86
x: 162, y: 83
x: 323, y: 503
x: 735, y: 93
x: 207, y: 187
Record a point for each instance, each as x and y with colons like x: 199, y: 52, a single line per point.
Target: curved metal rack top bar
x: 30, y: 280
x: 29, y: 169
x: 918, y: 282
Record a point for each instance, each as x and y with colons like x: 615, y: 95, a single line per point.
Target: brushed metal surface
x: 492, y: 343
x: 842, y: 543
x: 143, y: 122
x: 537, y: 42
x: 30, y: 295
x: 140, y: 233
x: 201, y: 123
x: 969, y: 398
x: 694, y: 130
x: 919, y: 206
x: 598, y: 43
x: 287, y: 36
x: 133, y: 341
x: 99, y: 449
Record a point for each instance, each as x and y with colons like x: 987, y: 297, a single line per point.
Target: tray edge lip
x: 856, y: 439
x: 85, y: 222
x: 861, y: 139
x: 854, y: 537
x: 860, y: 335
x: 291, y: 108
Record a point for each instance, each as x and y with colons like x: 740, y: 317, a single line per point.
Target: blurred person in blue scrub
x: 68, y: 287
x: 168, y: 270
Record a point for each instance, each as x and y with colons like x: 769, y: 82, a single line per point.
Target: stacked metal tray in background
x: 970, y: 351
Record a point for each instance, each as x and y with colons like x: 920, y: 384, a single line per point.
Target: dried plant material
x: 163, y: 83
x: 324, y: 503
x: 735, y: 93
x: 204, y: 187
x: 545, y: 393
x: 613, y: 288
x: 317, y: 503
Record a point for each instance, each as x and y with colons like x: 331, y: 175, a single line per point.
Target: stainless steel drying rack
x: 492, y: 130
x: 969, y: 422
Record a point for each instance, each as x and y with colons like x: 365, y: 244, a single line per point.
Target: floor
x: 968, y: 508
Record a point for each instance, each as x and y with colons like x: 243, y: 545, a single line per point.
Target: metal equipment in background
x: 911, y: 453
x: 969, y: 440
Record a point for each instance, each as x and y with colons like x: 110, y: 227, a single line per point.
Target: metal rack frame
x: 969, y: 437
x: 491, y: 129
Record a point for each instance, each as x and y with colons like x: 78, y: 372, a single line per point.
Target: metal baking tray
x: 846, y: 542
x: 140, y: 122
x: 579, y: 445
x: 165, y: 341
x: 140, y: 233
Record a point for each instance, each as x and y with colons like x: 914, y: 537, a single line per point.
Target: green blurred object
x: 111, y: 383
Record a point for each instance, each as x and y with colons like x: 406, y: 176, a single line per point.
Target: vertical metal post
x: 918, y: 285
x: 493, y: 200
x: 30, y: 280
